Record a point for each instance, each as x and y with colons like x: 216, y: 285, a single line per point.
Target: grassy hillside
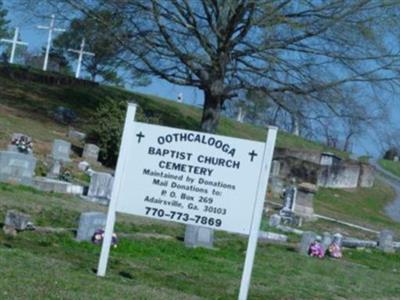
x: 146, y: 265
x: 390, y: 166
x: 27, y: 107
x: 151, y: 261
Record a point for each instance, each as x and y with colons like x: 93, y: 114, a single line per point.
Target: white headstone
x: 75, y: 134
x: 61, y: 150
x: 16, y: 167
x: 196, y: 236
x: 386, y: 241
x: 275, y: 168
x: 91, y: 152
x: 101, y: 187
x: 89, y: 222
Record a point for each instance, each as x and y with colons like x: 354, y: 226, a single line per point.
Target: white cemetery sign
x: 193, y: 178
x: 80, y: 52
x: 50, y: 28
x: 14, y: 42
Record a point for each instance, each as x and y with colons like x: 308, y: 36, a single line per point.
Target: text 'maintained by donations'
x: 191, y: 177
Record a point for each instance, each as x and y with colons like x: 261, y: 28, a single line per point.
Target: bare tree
x: 287, y: 49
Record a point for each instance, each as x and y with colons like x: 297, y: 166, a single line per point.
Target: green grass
x: 361, y: 206
x: 54, y: 266
x: 390, y: 166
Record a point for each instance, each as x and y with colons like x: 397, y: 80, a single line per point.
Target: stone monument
x: 61, y: 150
x: 89, y: 222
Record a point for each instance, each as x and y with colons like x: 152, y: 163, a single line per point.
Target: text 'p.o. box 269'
x: 191, y: 177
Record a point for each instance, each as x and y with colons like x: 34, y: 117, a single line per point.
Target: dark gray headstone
x: 196, y: 236
x: 275, y: 168
x: 16, y: 167
x: 55, y: 169
x: 89, y: 222
x: 274, y: 220
x: 306, y: 239
x: 338, y: 239
x: 76, y: 135
x: 100, y: 186
x: 17, y: 220
x: 61, y: 150
x: 91, y: 152
x: 386, y: 241
x: 326, y: 240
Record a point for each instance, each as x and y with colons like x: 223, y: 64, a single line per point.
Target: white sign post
x: 14, y: 42
x: 192, y: 178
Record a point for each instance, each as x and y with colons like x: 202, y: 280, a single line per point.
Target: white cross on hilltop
x: 14, y: 43
x: 50, y: 28
x: 81, y: 52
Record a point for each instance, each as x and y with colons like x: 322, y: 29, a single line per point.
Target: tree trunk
x: 211, y: 112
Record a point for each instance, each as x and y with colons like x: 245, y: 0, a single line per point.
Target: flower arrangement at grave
x: 316, y: 250
x: 98, y: 238
x: 335, y: 251
x: 66, y: 175
x: 23, y: 144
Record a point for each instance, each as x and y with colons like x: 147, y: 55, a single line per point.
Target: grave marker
x: 14, y: 42
x: 91, y: 152
x: 51, y: 29
x: 16, y: 167
x: 80, y: 53
x: 101, y: 187
x: 61, y: 150
x: 89, y: 222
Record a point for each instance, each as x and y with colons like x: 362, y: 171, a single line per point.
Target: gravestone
x: 305, y: 201
x: 307, y: 238
x: 338, y: 239
x: 17, y: 167
x: 275, y: 168
x: 386, y: 241
x: 274, y: 220
x: 76, y: 135
x: 101, y: 187
x: 276, y: 185
x: 61, y: 150
x: 326, y: 240
x: 89, y: 222
x: 196, y: 236
x: 55, y: 169
x: 329, y: 159
x: 17, y: 220
x: 289, y: 201
x: 57, y: 186
x: 91, y: 152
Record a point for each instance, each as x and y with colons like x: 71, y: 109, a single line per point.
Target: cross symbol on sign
x: 140, y: 135
x: 252, y: 154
